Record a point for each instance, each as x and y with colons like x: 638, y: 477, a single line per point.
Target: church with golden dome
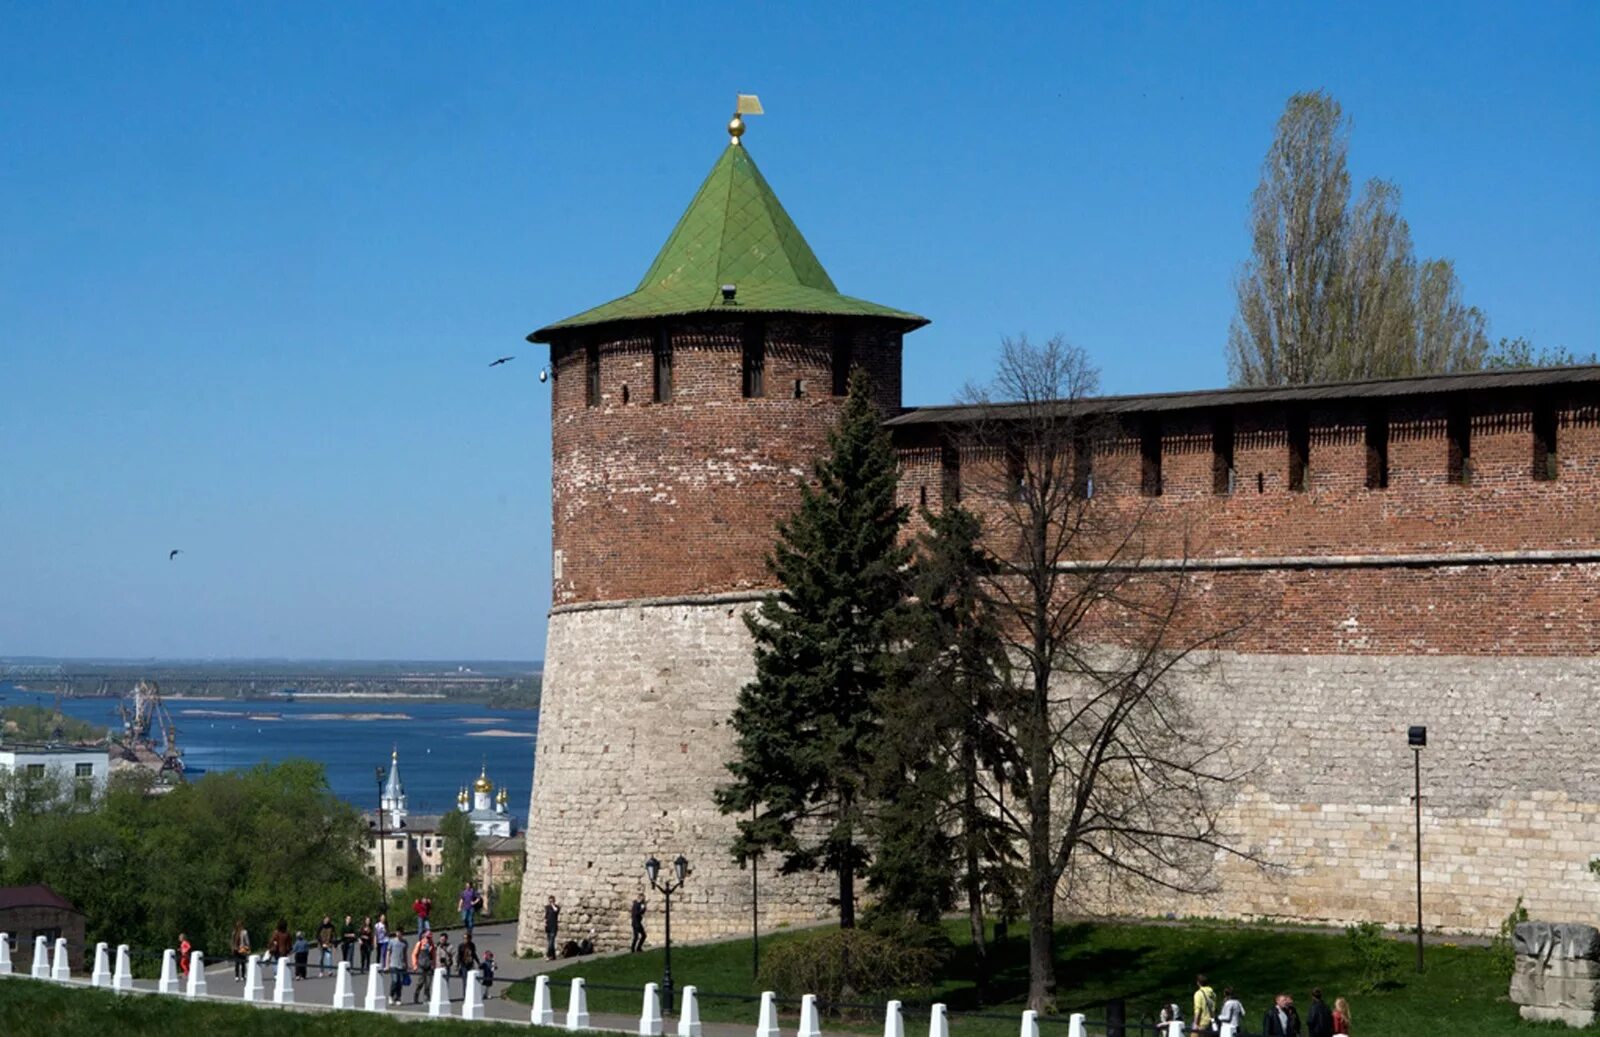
x: 489, y: 812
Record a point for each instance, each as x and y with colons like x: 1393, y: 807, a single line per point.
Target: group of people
x: 371, y: 944
x: 1281, y: 1020
x: 552, y: 930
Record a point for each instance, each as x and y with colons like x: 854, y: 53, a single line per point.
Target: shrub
x: 1377, y: 956
x: 842, y: 965
x: 1501, y: 950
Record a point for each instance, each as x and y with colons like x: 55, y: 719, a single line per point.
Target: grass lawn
x: 1460, y: 994
x: 30, y: 1008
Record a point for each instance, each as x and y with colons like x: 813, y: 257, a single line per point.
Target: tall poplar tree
x: 807, y: 723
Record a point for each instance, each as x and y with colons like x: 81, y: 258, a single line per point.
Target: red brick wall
x: 682, y: 497
x: 1497, y: 609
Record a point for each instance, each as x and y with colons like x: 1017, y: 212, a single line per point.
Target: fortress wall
x: 633, y: 735
x: 1511, y: 791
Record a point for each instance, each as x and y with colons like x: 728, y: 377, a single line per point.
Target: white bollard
x: 650, y: 1012
x: 283, y: 986
x: 810, y: 1025
x: 168, y: 983
x: 1030, y: 1023
x: 938, y: 1025
x: 61, y: 969
x: 1175, y: 1028
x: 1227, y: 1030
x: 578, y: 1007
x: 472, y: 999
x: 197, y: 975
x: 768, y: 1026
x: 689, y: 1013
x: 343, y: 996
x: 252, y: 979
x: 377, y: 999
x: 542, y: 1014
x: 101, y: 976
x: 1077, y: 1026
x: 5, y: 954
x: 894, y: 1024
x: 122, y: 978
x: 41, y: 958
x: 439, y: 994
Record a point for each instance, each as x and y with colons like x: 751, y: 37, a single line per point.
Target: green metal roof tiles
x: 736, y: 232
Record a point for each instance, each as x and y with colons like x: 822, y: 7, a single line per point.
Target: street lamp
x: 1417, y: 735
x: 383, y: 864
x: 652, y: 871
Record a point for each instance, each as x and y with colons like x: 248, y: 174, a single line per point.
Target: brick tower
x: 684, y: 414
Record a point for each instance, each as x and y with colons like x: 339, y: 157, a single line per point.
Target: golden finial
x: 483, y: 784
x: 747, y: 104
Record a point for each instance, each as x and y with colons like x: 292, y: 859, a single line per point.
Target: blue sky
x: 255, y: 258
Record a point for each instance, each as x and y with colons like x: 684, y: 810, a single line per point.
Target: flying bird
x: 502, y: 360
x: 175, y: 552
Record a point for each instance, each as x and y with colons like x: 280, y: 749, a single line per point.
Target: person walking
x: 446, y: 959
x: 422, y: 963
x: 364, y: 941
x: 636, y: 916
x: 1232, y: 1011
x: 240, y: 943
x: 325, y: 947
x: 552, y: 924
x: 468, y: 905
x: 1205, y: 1007
x: 301, y: 951
x: 1319, y: 1020
x: 347, y: 939
x: 466, y: 959
x: 396, y: 956
x: 1341, y: 1015
x: 184, y: 947
x: 1281, y: 1019
x: 380, y: 942
x: 422, y: 907
x: 280, y: 946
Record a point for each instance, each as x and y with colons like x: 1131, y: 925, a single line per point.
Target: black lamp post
x: 383, y: 864
x: 1417, y: 735
x: 652, y: 871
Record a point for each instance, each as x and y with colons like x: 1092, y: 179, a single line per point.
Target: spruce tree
x: 807, y: 723
x: 936, y: 830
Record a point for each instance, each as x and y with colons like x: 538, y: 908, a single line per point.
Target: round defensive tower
x: 684, y: 416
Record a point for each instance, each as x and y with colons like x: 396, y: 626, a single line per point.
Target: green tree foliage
x: 806, y: 725
x: 255, y: 845
x: 847, y: 965
x: 38, y: 724
x: 460, y: 850
x: 934, y: 833
x: 1334, y: 291
x: 1519, y: 352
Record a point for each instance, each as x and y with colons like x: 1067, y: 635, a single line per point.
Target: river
x: 442, y: 745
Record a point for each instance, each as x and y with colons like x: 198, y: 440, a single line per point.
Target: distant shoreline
x: 379, y: 696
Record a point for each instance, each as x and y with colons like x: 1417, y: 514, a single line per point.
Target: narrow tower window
x: 950, y: 474
x: 1377, y: 449
x: 1082, y: 464
x: 842, y: 358
x: 663, y: 365
x: 755, y: 360
x: 1016, y: 473
x: 1150, y: 457
x: 1222, y: 473
x: 591, y: 381
x: 1299, y: 430
x: 1545, y: 460
x: 1458, y: 458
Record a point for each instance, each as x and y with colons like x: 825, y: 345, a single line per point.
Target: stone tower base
x: 633, y: 737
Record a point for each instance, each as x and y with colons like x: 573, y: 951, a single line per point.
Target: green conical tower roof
x: 734, y: 232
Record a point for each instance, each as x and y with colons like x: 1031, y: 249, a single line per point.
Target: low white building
x: 82, y: 769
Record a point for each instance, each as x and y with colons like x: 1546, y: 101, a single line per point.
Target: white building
x: 83, y: 769
x: 403, y: 845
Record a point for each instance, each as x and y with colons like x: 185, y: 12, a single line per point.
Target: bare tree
x: 1099, y: 623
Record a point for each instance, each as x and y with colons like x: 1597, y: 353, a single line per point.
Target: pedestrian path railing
x: 112, y: 970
